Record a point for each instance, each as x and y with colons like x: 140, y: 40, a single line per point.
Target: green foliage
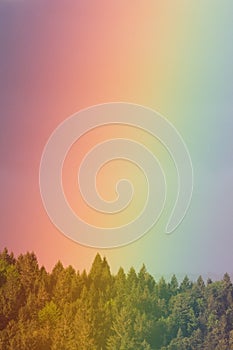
x: 49, y: 314
x: 66, y: 310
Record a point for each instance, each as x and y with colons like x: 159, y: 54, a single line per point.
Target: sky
x: 175, y: 57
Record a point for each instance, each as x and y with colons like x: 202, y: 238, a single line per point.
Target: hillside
x: 69, y: 310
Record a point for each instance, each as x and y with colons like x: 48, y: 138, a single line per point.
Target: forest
x: 69, y: 310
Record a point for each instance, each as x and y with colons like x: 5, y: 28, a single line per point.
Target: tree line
x: 69, y: 310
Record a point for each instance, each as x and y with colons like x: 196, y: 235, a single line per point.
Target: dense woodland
x: 66, y: 310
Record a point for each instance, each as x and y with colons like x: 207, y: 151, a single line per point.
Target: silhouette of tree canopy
x: 69, y: 310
